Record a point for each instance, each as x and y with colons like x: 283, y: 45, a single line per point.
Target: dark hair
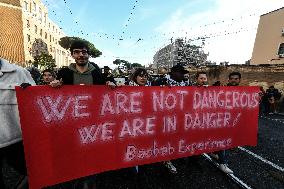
x: 50, y: 71
x: 137, y: 72
x: 217, y: 83
x: 79, y: 44
x: 235, y: 73
x: 199, y: 73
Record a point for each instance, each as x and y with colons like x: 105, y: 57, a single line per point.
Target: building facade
x: 269, y: 41
x: 179, y: 52
x: 27, y: 31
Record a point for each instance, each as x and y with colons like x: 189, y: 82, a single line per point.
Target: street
x: 258, y: 167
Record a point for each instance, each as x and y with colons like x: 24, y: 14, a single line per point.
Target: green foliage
x: 44, y: 61
x: 127, y: 64
x: 66, y: 42
x: 137, y: 65
x: 117, y: 62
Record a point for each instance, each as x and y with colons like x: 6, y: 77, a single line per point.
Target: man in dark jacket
x: 82, y: 71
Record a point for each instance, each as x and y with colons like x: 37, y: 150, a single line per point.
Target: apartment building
x: 181, y: 52
x: 269, y: 41
x: 27, y: 31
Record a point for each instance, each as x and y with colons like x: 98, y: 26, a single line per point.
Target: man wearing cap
x: 176, y: 76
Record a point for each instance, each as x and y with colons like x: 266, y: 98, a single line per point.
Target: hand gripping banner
x: 76, y: 131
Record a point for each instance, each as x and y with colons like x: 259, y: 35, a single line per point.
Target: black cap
x: 106, y: 68
x: 179, y: 68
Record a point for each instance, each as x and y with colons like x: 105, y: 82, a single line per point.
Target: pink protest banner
x: 77, y: 131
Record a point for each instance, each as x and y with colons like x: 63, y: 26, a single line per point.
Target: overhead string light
x: 128, y: 21
x: 228, y: 22
x: 54, y: 14
x: 79, y: 31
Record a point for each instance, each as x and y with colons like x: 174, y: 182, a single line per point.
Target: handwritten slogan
x: 77, y: 131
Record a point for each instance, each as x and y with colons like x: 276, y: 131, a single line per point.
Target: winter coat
x: 10, y: 76
x: 67, y: 75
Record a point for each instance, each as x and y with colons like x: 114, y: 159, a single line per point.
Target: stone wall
x: 264, y: 75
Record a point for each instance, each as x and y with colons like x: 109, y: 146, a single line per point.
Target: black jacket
x: 67, y: 76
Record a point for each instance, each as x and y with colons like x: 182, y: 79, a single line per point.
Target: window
x: 34, y: 7
x: 28, y: 23
x: 35, y: 29
x: 25, y: 5
x: 281, y: 50
x: 28, y: 37
x: 40, y: 15
x: 40, y: 32
x: 45, y: 35
x: 49, y: 38
x: 45, y: 18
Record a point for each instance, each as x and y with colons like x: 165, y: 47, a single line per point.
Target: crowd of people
x: 85, y: 72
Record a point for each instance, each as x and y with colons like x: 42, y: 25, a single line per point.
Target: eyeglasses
x: 84, y: 52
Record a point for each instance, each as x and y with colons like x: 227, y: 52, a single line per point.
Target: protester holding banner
x: 234, y: 79
x: 174, y: 78
x: 201, y: 79
x: 11, y: 146
x: 220, y: 156
x: 48, y: 76
x: 81, y: 72
x: 140, y: 78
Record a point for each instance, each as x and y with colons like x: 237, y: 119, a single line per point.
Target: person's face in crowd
x: 142, y: 79
x: 186, y: 77
x: 162, y: 71
x: 201, y: 79
x: 81, y: 56
x: 106, y: 71
x: 177, y: 76
x: 47, y: 77
x: 234, y: 80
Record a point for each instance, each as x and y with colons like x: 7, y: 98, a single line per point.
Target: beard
x: 82, y: 62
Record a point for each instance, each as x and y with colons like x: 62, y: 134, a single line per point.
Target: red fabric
x: 127, y: 126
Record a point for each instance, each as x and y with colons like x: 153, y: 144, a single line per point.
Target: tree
x: 66, y: 42
x: 44, y: 61
x: 117, y: 62
x: 127, y: 64
x: 39, y: 47
x: 136, y: 65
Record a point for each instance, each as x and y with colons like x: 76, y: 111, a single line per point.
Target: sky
x: 134, y: 30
